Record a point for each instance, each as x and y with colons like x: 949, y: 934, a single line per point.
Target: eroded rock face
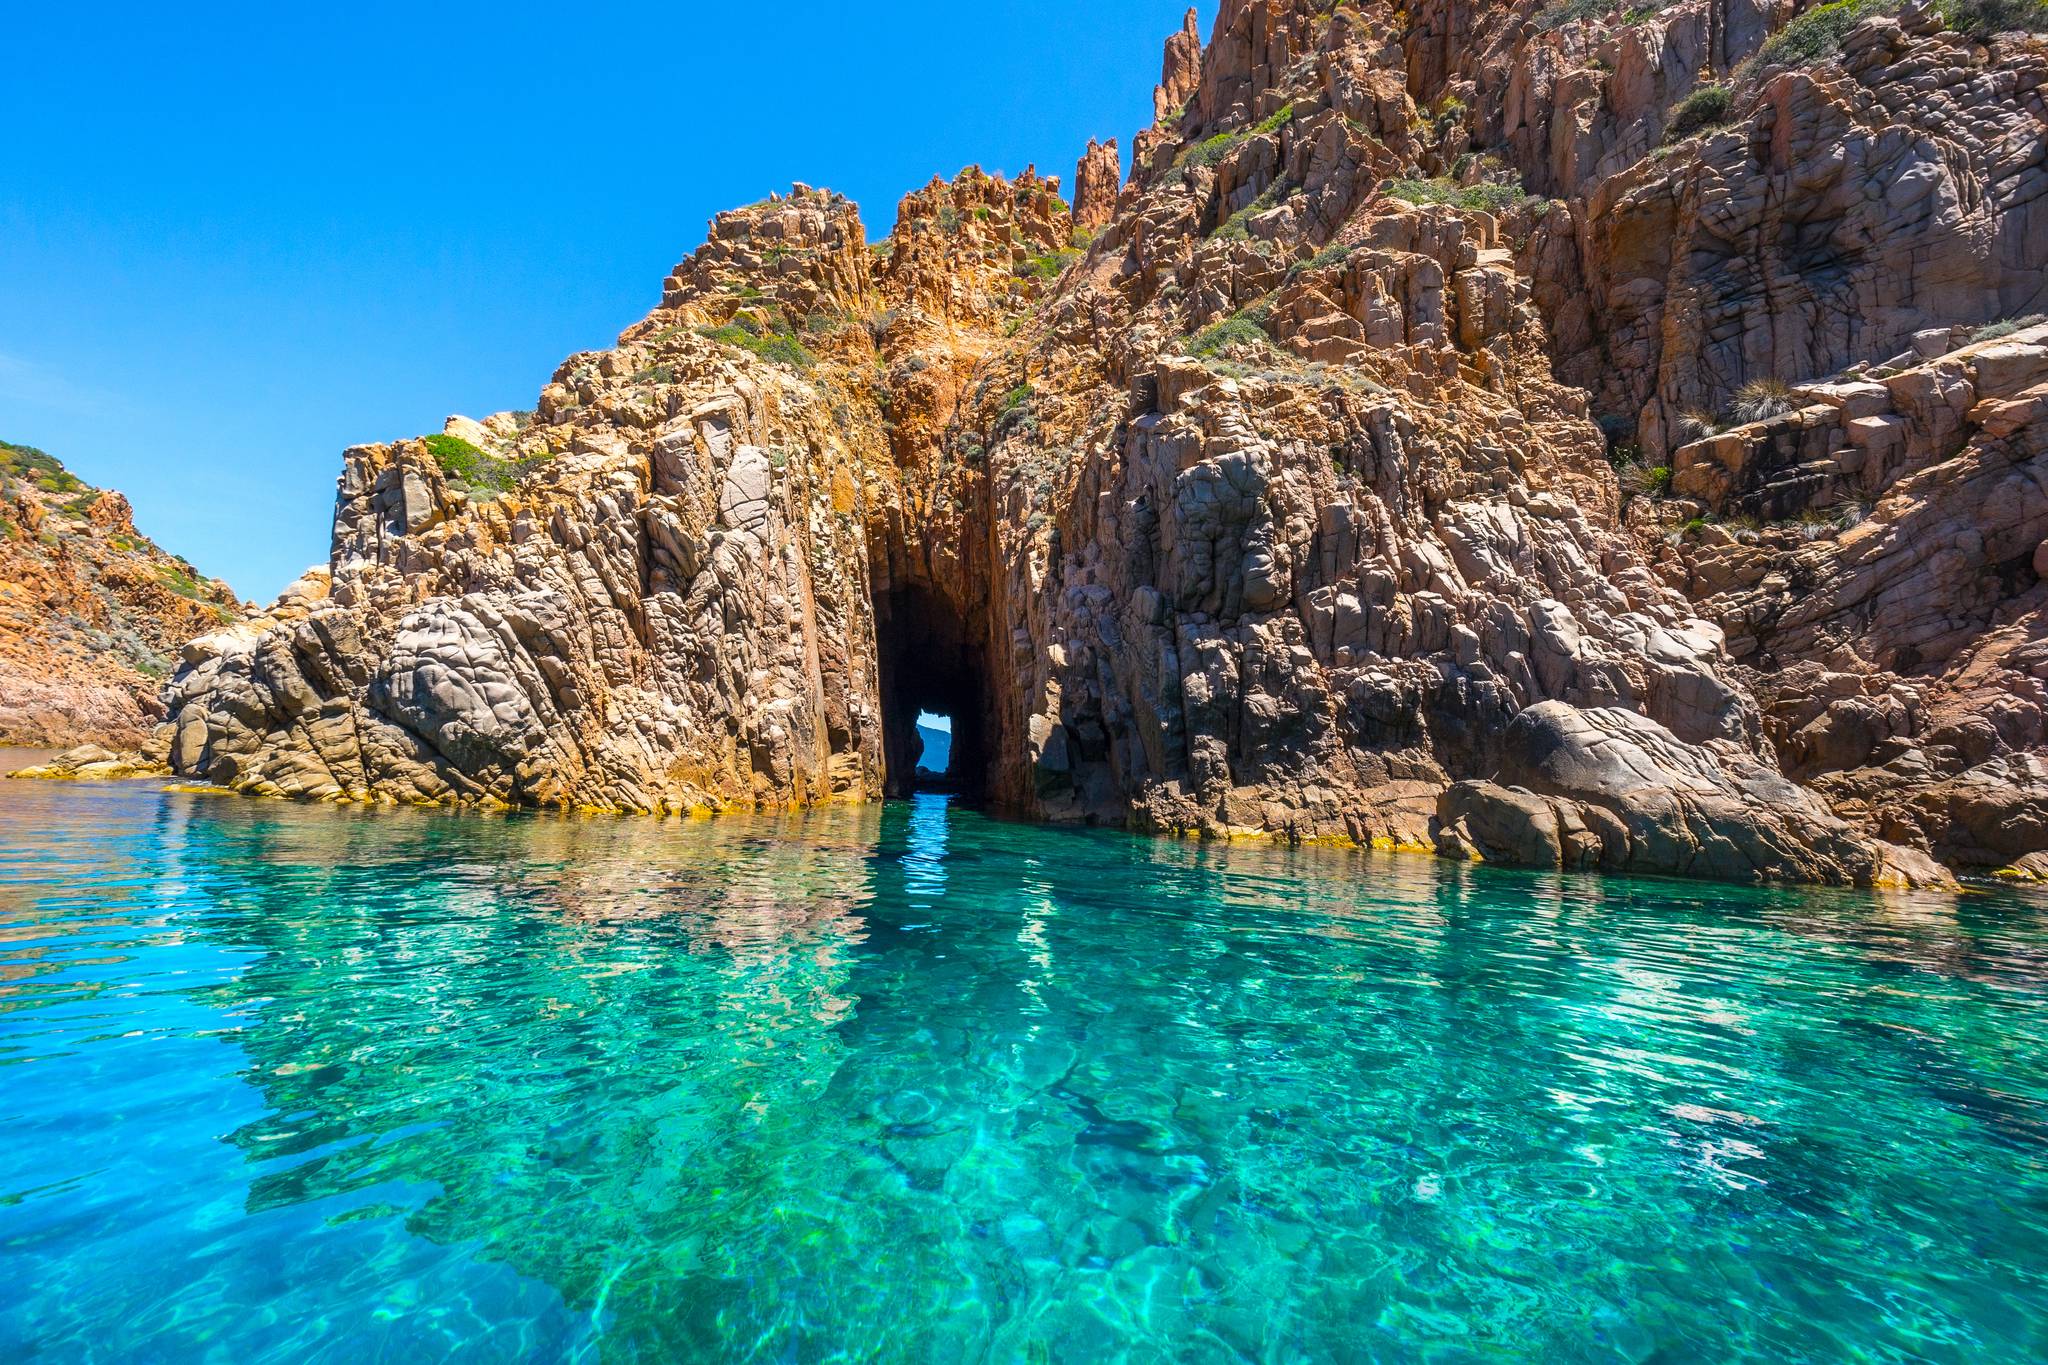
x: 1609, y: 788
x: 91, y: 610
x: 1263, y: 508
x: 1096, y: 181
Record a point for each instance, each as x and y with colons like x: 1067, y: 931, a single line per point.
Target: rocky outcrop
x: 1739, y: 209
x: 1608, y: 788
x: 1303, y: 486
x: 94, y: 763
x: 1096, y: 181
x: 92, y: 612
x: 1871, y: 554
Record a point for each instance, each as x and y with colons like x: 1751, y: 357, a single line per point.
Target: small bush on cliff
x: 1706, y: 107
x: 1817, y: 34
x: 458, y: 458
x: 183, y: 580
x: 1694, y: 425
x: 1571, y: 12
x: 1653, y: 481
x: 1276, y: 120
x: 1328, y: 256
x: 1210, y: 152
x: 38, y: 467
x: 1982, y: 19
x: 1237, y: 227
x: 1048, y: 266
x: 1486, y: 198
x: 475, y: 470
x: 1762, y: 399
x: 2007, y: 326
x: 1245, y: 328
x: 778, y: 344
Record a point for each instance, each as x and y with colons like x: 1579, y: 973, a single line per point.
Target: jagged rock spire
x: 1096, y: 180
x: 1181, y: 70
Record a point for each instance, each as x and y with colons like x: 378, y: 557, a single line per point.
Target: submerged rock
x: 90, y: 762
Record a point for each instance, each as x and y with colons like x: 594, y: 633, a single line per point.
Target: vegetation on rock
x: 1817, y: 34
x: 1706, y: 107
x: 1484, y: 197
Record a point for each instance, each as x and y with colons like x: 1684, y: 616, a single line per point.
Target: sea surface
x: 306, y: 1084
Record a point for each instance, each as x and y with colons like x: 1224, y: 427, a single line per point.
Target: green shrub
x: 1016, y: 398
x: 1654, y: 481
x: 38, y: 467
x: 1706, y: 107
x: 1243, y: 328
x: 1048, y: 266
x: 2007, y: 326
x: 1276, y: 120
x: 183, y: 580
x: 1486, y: 198
x: 1328, y: 256
x: 1571, y: 12
x: 1210, y: 152
x: 457, y: 457
x: 1817, y: 35
x: 778, y: 344
x: 1237, y: 227
x: 474, y: 469
x: 1981, y: 19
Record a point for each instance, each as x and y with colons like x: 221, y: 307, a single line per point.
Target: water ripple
x: 288, y: 1083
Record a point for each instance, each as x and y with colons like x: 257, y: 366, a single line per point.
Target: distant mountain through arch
x: 937, y: 733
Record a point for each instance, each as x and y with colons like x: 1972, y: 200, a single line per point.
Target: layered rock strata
x: 1322, y: 481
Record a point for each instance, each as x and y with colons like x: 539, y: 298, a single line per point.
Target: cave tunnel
x: 931, y: 664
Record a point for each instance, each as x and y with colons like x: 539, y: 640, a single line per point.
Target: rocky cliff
x: 92, y: 612
x: 1571, y: 435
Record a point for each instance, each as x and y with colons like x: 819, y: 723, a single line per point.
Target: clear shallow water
x: 282, y: 1083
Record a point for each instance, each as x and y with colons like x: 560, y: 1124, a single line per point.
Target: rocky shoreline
x: 1565, y: 439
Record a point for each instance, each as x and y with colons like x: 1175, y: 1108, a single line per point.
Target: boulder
x: 1606, y: 787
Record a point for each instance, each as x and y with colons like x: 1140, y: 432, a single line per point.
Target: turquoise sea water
x: 282, y: 1083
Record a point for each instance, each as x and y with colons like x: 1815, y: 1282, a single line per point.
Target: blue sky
x: 237, y: 238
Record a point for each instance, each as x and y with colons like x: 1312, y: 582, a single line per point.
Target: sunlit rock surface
x: 1389, y: 416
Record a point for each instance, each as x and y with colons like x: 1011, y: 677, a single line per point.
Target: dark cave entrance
x: 931, y: 665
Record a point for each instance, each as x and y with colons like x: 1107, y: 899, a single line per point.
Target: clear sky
x: 235, y: 238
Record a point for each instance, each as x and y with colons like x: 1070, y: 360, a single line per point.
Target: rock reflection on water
x: 906, y: 1083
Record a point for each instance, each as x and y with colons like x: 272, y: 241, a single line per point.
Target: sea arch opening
x: 932, y: 664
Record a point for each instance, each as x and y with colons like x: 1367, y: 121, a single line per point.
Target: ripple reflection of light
x: 924, y: 860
